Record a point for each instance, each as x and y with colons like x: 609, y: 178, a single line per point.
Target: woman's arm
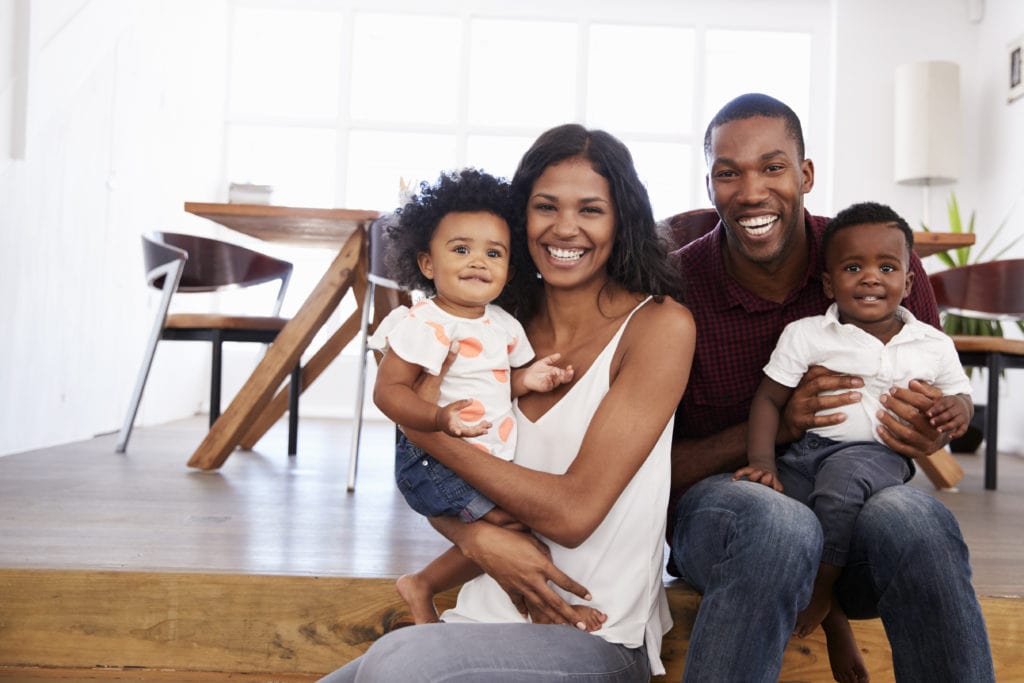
x: 519, y: 563
x: 393, y: 393
x: 655, y: 356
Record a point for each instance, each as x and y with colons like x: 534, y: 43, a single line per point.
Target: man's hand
x: 905, y: 426
x: 807, y: 400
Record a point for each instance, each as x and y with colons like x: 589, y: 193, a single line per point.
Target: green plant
x: 958, y: 324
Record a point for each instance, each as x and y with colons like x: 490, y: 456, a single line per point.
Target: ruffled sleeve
x: 415, y: 336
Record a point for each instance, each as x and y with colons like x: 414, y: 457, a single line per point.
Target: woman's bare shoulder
x: 666, y: 317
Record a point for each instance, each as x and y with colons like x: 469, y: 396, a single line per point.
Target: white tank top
x: 621, y: 562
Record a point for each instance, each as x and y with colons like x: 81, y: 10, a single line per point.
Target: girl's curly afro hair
x: 414, y: 224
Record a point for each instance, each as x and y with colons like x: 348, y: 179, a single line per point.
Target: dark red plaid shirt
x: 737, y: 329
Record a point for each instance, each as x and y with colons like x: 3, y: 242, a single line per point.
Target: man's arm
x: 694, y: 459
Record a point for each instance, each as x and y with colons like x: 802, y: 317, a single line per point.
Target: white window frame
x: 810, y: 16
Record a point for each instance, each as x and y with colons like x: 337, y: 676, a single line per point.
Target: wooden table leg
x: 941, y: 468
x: 254, y: 396
x: 313, y: 368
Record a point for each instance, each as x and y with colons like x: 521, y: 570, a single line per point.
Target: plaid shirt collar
x: 735, y: 294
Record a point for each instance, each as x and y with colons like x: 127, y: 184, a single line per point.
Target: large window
x: 334, y: 102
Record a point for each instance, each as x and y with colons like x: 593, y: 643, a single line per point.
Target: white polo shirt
x: 918, y: 351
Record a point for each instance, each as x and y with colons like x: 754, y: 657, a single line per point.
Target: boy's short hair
x: 411, y: 228
x: 860, y: 214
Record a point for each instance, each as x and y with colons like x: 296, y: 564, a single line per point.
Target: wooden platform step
x: 63, y: 625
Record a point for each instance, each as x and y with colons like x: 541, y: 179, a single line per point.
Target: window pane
x: 522, y: 73
x: 777, y: 64
x: 640, y: 79
x: 388, y: 79
x: 665, y: 170
x: 378, y: 161
x: 497, y: 155
x: 298, y: 162
x: 285, y: 63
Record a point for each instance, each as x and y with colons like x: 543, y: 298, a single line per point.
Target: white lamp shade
x: 927, y: 123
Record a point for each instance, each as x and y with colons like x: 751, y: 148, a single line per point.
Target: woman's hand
x: 522, y: 566
x: 807, y: 400
x: 905, y: 426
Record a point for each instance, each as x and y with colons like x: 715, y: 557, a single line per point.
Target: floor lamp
x: 926, y: 141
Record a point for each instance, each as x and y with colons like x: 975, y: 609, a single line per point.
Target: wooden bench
x: 300, y: 627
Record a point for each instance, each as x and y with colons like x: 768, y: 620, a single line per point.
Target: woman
x: 591, y: 472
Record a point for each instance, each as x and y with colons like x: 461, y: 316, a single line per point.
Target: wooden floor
x: 83, y: 507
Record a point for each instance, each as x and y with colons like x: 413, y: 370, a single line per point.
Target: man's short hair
x: 756, y: 104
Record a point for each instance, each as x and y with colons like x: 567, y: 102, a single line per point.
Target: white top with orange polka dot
x: 489, y: 347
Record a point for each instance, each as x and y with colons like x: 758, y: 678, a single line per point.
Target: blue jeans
x: 834, y: 479
x: 752, y: 553
x: 498, y: 653
x: 432, y: 489
x: 737, y: 541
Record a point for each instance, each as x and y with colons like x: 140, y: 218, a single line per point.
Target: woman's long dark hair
x: 638, y: 261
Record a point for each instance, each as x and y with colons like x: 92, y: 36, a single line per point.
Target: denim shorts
x: 432, y: 489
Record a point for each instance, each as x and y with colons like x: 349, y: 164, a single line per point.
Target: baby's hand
x: 544, y: 375
x: 949, y: 415
x: 448, y: 419
x: 760, y: 476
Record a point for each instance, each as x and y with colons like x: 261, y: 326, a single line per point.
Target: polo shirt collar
x: 911, y: 330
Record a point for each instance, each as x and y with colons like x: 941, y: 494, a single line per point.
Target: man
x: 751, y: 552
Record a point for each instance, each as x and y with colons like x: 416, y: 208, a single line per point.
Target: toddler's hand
x: 448, y: 419
x: 760, y: 476
x: 950, y: 415
x: 543, y: 375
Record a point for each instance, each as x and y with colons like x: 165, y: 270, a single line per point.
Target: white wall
x: 868, y: 50
x: 123, y: 111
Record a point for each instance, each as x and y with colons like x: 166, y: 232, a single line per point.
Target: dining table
x: 262, y: 400
x: 927, y: 243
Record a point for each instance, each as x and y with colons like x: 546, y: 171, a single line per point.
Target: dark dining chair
x: 383, y: 295
x: 994, y: 291
x: 683, y: 228
x: 178, y: 263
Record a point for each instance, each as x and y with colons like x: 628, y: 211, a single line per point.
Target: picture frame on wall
x: 1015, y: 72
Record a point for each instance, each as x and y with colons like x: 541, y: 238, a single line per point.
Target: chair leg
x: 357, y: 408
x: 994, y: 368
x: 136, y: 399
x: 294, y: 389
x: 215, y: 374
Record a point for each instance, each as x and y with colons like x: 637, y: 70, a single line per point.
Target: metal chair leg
x: 994, y: 368
x: 357, y: 410
x: 215, y: 376
x: 172, y: 276
x: 136, y: 399
x: 294, y: 389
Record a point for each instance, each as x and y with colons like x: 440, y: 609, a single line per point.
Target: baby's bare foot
x: 844, y: 657
x: 418, y: 596
x: 811, y: 616
x: 590, y: 618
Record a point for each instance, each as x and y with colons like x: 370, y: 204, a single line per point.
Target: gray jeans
x: 495, y: 653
